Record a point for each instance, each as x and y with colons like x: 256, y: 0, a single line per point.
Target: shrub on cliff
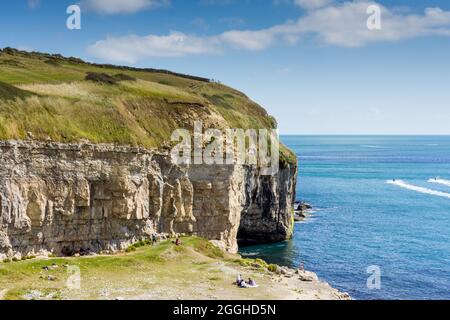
x: 253, y: 263
x: 10, y: 51
x: 130, y: 249
x: 100, y: 78
x: 106, y: 78
x: 52, y: 62
x: 272, y: 268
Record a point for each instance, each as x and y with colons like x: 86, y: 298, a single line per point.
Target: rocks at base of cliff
x: 302, y: 275
x: 344, y: 296
x: 308, y: 277
x: 299, y: 216
x: 301, y: 210
x: 303, y: 206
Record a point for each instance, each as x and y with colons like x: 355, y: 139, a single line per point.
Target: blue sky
x: 313, y: 64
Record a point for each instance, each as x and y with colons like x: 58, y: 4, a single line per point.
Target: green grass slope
x: 67, y: 99
x: 196, y: 270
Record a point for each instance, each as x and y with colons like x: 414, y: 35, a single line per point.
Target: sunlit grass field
x: 140, y: 272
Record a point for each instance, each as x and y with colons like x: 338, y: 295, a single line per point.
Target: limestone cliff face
x: 66, y: 198
x: 267, y: 214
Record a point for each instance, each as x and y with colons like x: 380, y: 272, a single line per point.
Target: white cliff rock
x: 70, y: 198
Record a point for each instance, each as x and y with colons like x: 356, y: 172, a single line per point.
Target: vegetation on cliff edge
x: 67, y: 99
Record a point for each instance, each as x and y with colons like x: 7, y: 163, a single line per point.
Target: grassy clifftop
x: 49, y: 96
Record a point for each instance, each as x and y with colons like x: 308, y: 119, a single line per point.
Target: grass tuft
x: 124, y: 77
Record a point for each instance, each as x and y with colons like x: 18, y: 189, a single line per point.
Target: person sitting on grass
x: 251, y: 282
x: 178, y: 242
x: 238, y: 280
x: 243, y: 284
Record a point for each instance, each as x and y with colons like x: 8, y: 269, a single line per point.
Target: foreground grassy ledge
x: 195, y: 270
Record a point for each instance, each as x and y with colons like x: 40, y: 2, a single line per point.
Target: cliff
x: 67, y: 198
x: 85, y: 166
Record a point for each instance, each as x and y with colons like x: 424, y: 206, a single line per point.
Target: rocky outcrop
x: 267, y: 214
x: 67, y: 198
x: 302, y: 211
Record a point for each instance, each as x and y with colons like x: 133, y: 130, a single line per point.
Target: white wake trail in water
x: 440, y: 181
x: 411, y: 187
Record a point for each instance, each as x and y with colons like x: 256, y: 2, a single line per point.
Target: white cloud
x: 345, y: 25
x: 122, y: 6
x: 132, y: 48
x: 248, y: 40
x: 312, y: 4
x: 342, y: 25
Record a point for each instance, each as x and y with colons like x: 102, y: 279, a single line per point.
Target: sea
x: 380, y: 227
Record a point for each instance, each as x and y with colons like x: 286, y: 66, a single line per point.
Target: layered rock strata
x: 67, y: 198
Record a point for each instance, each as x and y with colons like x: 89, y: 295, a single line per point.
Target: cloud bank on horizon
x: 329, y: 23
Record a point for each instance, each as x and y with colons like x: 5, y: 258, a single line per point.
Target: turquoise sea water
x: 361, y: 220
